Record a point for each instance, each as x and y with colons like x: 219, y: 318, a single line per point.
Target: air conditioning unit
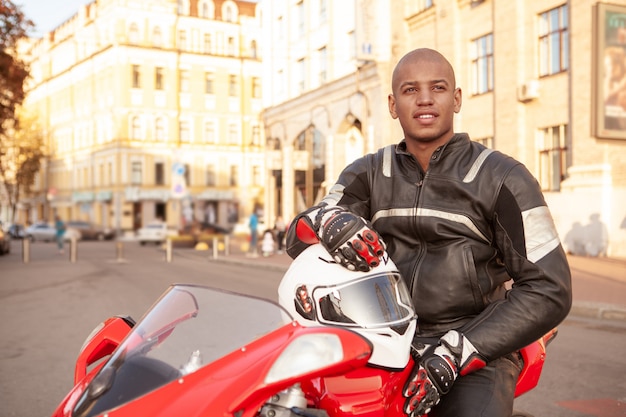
x: 528, y: 91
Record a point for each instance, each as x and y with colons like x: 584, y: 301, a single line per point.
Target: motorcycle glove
x: 436, y: 370
x: 348, y: 238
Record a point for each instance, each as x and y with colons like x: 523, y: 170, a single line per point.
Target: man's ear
x: 392, y: 106
x: 458, y: 98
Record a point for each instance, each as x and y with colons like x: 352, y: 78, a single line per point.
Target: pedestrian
x: 253, y: 224
x: 460, y: 221
x: 59, y: 225
x: 281, y: 229
x: 267, y: 243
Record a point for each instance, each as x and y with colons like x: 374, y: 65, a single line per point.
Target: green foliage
x: 20, y: 149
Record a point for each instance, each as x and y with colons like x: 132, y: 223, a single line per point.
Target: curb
x: 598, y: 311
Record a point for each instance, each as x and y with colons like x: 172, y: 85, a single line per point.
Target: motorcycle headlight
x: 305, y: 354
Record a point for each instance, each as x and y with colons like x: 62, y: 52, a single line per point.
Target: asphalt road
x: 49, y: 305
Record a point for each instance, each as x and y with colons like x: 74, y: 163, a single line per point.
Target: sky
x: 48, y: 14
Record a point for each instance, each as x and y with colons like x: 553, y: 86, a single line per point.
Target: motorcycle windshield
x: 187, y: 328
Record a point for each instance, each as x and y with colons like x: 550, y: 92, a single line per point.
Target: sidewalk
x: 599, y: 284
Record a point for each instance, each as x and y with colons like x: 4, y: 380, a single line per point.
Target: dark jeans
x: 488, y: 392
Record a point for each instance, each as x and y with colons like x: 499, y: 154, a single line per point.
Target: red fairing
x: 534, y: 355
x: 364, y: 392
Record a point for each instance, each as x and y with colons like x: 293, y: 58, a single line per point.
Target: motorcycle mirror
x: 101, y: 342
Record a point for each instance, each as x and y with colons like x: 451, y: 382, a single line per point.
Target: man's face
x: 425, y: 99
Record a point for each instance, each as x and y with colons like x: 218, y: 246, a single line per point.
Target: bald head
x: 417, y: 57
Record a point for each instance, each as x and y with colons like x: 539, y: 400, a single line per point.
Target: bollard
x: 25, y: 250
x: 119, y: 251
x: 73, y: 250
x: 226, y: 245
x: 168, y: 250
x: 215, y: 248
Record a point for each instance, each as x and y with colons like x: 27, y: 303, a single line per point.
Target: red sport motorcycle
x: 332, y: 346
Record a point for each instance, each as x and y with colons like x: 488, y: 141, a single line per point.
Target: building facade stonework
x: 150, y: 110
x: 526, y: 69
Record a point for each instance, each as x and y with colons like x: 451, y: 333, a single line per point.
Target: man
x: 459, y: 220
x: 60, y: 232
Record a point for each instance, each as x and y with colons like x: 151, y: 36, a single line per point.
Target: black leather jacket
x: 458, y: 233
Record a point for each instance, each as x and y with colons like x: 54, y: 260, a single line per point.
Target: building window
x: 229, y: 14
x: 233, y: 134
x: 482, y: 64
x: 204, y: 11
x: 110, y: 179
x: 159, y: 129
x: 553, y: 41
x: 135, y: 173
x: 157, y: 37
x: 231, y: 46
x: 210, y: 178
x: 322, y: 58
x: 208, y: 43
x: 158, y: 78
x: 184, y: 131
x: 553, y: 157
x: 256, y: 175
x: 184, y: 80
x: 234, y: 176
x: 209, y: 132
x: 209, y: 79
x: 301, y: 74
x: 135, y: 128
x: 300, y: 16
x: 253, y: 49
x: 351, y: 45
x: 256, y: 87
x: 159, y: 173
x: 133, y: 34
x: 232, y: 85
x: 256, y: 135
x: 182, y: 40
x: 280, y: 27
x: 136, y: 76
x: 323, y: 12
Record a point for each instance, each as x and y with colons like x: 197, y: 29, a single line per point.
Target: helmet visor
x: 373, y: 301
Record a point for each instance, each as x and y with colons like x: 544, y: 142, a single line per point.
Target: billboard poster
x: 609, y: 71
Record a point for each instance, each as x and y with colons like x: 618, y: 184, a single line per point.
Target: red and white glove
x: 350, y: 239
x: 436, y: 370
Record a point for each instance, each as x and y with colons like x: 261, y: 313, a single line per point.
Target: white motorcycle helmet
x: 316, y: 291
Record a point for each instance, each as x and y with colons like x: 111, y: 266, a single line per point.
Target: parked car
x: 156, y: 232
x: 17, y: 231
x: 46, y: 232
x: 5, y: 241
x: 90, y: 231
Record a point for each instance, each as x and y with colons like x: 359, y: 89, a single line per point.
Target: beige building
x: 534, y: 76
x: 150, y: 109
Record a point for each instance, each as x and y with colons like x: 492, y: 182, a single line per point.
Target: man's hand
x: 349, y: 238
x: 436, y: 370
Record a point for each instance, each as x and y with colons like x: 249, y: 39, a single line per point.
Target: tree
x: 17, y: 160
x: 13, y: 71
x: 20, y: 160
